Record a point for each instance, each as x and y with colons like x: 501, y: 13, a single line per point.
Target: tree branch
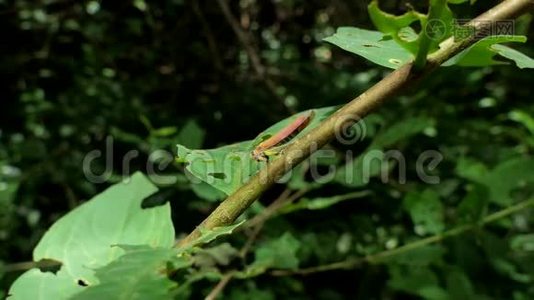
x: 392, y: 85
x: 381, y: 256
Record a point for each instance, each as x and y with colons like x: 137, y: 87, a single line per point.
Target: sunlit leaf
x: 395, y: 25
x: 137, y: 274
x: 482, y: 53
x: 371, y: 45
x: 208, y: 235
x: 84, y: 239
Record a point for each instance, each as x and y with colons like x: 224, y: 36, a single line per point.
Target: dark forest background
x: 156, y: 73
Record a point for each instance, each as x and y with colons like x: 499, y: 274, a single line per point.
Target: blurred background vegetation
x: 156, y: 73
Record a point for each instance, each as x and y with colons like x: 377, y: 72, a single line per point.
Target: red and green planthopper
x: 275, y: 143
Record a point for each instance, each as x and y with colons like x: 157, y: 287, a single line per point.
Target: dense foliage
x: 134, y: 79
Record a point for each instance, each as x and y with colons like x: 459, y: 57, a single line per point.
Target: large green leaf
x: 482, y: 53
x: 34, y: 284
x: 371, y: 45
x: 228, y: 167
x: 225, y: 168
x: 83, y: 239
x: 138, y: 274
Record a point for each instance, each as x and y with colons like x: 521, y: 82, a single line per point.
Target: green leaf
x: 496, y: 250
x: 191, y: 135
x: 34, y: 284
x: 426, y: 211
x: 482, y: 53
x: 207, y: 236
x: 371, y: 45
x: 506, y: 177
x: 435, y: 29
x: 278, y: 253
x: 502, y: 180
x: 523, y: 242
x: 207, y: 192
x: 137, y: 274
x: 83, y: 239
x: 521, y: 60
x: 459, y: 286
x: 396, y: 26
x: 227, y: 168
x: 164, y: 131
x: 471, y: 169
x: 419, y: 281
x: 474, y: 206
x: 524, y: 118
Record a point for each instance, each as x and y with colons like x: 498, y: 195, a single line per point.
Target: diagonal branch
x: 392, y: 85
x: 246, y: 41
x: 380, y: 257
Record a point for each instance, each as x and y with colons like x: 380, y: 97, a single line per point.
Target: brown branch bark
x: 392, y: 85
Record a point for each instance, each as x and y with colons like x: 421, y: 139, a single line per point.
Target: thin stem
x: 219, y: 287
x: 257, y: 226
x: 26, y: 265
x: 273, y: 208
x: 381, y: 256
x: 427, y: 37
x: 247, y: 43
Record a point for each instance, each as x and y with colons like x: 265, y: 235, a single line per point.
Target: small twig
x: 220, y: 286
x: 71, y: 197
x: 270, y: 210
x: 280, y: 202
x: 352, y: 263
x: 26, y: 265
x: 247, y: 43
x: 243, y: 38
x: 257, y: 227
